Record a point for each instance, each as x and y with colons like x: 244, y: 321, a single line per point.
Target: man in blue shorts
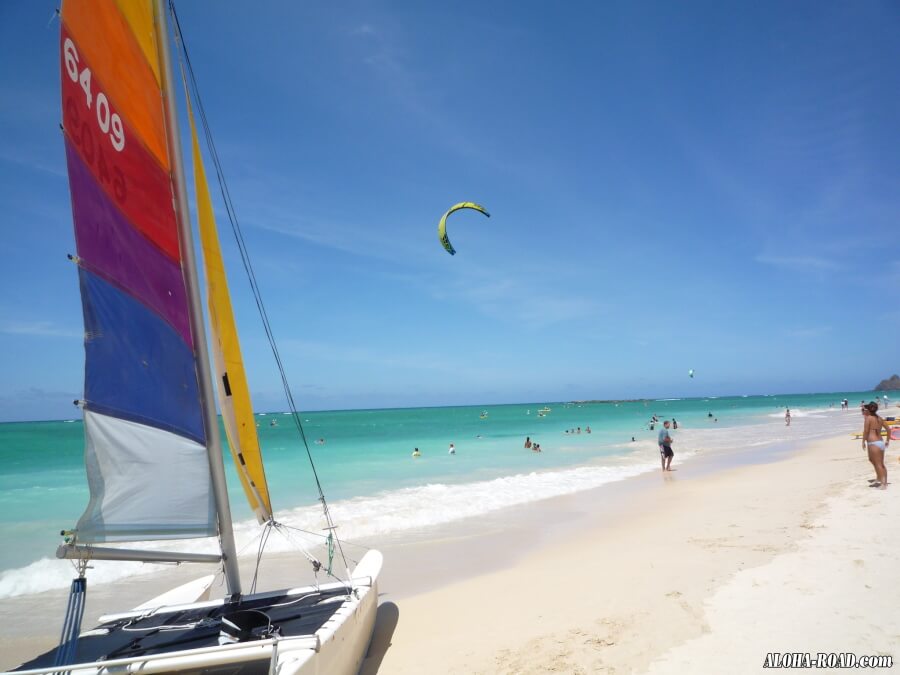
x: 665, y: 447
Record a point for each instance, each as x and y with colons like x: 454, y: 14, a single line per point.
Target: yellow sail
x: 231, y: 380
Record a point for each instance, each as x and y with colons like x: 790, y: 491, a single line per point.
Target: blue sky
x: 672, y: 185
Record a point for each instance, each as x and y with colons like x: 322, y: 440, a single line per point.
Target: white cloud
x: 38, y: 328
x: 322, y: 351
x: 800, y: 262
x: 806, y: 332
x: 519, y: 300
x: 363, y: 29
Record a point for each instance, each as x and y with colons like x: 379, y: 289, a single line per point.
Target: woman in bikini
x: 873, y: 442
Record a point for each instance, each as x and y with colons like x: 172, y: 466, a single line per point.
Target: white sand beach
x: 699, y: 572
x: 704, y: 569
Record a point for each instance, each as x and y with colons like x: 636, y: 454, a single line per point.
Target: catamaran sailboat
x: 152, y: 449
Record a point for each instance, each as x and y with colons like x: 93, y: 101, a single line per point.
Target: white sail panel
x: 145, y: 483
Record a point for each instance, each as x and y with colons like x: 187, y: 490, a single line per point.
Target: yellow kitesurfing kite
x: 442, y: 226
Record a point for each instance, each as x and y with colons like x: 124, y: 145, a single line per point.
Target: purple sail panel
x: 109, y: 246
x: 136, y: 366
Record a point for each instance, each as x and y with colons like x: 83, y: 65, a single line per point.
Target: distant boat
x: 544, y: 410
x: 484, y: 414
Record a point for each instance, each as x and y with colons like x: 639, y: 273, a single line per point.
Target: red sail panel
x: 131, y: 177
x: 104, y: 39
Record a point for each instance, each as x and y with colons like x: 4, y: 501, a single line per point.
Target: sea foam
x: 359, y: 518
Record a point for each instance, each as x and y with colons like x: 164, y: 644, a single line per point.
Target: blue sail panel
x: 136, y: 366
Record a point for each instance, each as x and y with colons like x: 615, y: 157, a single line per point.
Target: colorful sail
x: 231, y: 380
x: 145, y: 447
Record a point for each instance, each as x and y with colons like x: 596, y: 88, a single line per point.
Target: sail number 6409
x: 109, y: 122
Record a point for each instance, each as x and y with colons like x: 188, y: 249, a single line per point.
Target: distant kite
x: 442, y: 225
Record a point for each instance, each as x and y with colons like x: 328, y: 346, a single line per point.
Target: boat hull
x: 337, y: 647
x: 345, y: 638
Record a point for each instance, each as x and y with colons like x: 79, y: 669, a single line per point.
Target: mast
x: 186, y: 241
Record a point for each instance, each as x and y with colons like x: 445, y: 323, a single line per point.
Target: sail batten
x: 145, y: 435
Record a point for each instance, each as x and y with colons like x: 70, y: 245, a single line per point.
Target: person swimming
x: 416, y: 453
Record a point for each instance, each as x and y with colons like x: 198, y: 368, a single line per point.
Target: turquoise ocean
x: 374, y: 486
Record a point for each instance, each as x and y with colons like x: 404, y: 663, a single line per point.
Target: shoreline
x: 648, y: 581
x: 426, y: 567
x: 372, y: 492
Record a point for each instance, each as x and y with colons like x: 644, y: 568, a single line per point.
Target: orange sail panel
x: 105, y: 41
x: 139, y: 16
x: 231, y: 380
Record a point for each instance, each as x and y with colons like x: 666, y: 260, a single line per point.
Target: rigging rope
x: 248, y: 268
x: 259, y: 553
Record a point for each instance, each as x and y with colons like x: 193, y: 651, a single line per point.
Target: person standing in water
x: 452, y: 450
x: 787, y: 417
x: 527, y: 442
x: 416, y: 453
x: 665, y: 447
x: 874, y: 444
